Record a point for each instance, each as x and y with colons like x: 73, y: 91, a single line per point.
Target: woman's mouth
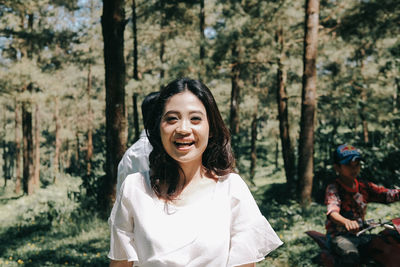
x: 184, y: 145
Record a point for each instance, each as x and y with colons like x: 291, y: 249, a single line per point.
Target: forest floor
x: 49, y: 228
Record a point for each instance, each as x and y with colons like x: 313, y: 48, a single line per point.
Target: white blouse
x: 224, y: 228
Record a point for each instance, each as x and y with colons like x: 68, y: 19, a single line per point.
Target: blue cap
x: 346, y: 153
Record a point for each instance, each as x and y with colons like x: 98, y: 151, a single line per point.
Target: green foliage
x: 62, y: 55
x: 370, y: 18
x: 51, y: 229
x: 358, y: 54
x: 89, y: 191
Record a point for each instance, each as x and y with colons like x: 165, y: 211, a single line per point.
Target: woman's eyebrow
x: 175, y: 112
x: 170, y: 112
x: 196, y: 112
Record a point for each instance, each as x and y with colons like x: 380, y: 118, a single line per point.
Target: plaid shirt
x: 351, y: 203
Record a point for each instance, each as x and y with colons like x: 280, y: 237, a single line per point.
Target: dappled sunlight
x: 43, y: 230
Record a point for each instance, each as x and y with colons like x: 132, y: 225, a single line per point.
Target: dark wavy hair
x: 148, y: 105
x: 217, y: 159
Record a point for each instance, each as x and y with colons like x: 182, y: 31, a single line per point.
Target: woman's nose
x: 183, y: 127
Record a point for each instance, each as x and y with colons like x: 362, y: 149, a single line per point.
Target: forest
x: 292, y: 79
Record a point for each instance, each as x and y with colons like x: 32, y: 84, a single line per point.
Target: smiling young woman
x: 187, y: 124
x: 191, y: 209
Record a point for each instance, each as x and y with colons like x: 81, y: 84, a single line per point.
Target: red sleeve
x: 332, y: 199
x: 382, y: 195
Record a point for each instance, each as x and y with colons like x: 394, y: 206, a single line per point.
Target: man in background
x: 136, y: 158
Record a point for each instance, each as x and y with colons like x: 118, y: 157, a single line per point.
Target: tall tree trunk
x: 363, y: 116
x: 89, y: 151
x: 77, y: 152
x: 27, y: 184
x: 253, y: 147
x: 27, y: 154
x: 163, y: 24
x: 21, y: 41
x: 363, y: 111
x: 67, y: 162
x: 235, y: 99
x: 282, y: 99
x: 113, y: 26
x: 17, y: 149
x: 89, y: 133
x: 36, y: 175
x: 335, y: 127
x: 396, y: 108
x: 306, y: 142
x: 135, y: 70
x: 30, y: 42
x: 135, y: 42
x: 235, y: 93
x: 276, y: 154
x: 397, y: 95
x: 136, y: 117
x: 57, y: 145
x: 202, y: 38
x: 4, y: 144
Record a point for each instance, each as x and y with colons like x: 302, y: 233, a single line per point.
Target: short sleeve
x: 252, y: 237
x: 122, y: 246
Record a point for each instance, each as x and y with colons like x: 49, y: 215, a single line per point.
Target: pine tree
x: 306, y: 142
x: 113, y: 26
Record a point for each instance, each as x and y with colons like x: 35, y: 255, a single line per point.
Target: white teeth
x: 184, y: 144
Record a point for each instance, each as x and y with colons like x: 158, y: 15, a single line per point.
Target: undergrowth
x: 51, y: 228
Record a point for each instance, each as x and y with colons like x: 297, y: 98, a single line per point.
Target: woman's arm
x: 248, y: 265
x: 114, y: 263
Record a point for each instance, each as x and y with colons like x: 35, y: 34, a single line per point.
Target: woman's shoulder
x: 234, y: 183
x: 230, y: 178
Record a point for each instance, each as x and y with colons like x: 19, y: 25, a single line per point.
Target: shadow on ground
x: 26, y: 244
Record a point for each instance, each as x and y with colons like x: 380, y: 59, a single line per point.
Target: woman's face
x: 184, y: 128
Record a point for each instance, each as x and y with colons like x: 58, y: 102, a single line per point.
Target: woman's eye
x: 171, y: 119
x: 196, y: 119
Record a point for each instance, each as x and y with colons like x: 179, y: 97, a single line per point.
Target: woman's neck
x: 190, y: 171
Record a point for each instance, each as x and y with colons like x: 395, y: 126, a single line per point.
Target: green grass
x: 50, y: 229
